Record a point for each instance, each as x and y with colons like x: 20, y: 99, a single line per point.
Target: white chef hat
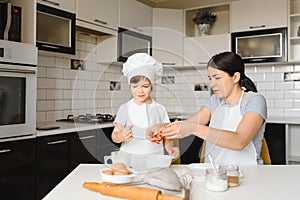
x: 142, y: 64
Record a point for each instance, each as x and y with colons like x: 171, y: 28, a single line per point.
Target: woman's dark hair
x: 230, y: 63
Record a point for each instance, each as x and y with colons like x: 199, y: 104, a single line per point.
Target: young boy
x: 139, y: 113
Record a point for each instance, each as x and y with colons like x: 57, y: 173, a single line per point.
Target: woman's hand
x: 152, y: 131
x: 178, y: 129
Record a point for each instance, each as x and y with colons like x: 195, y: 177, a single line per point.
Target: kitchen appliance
x: 55, y: 30
x: 267, y: 45
x: 10, y: 22
x: 89, y: 118
x: 130, y: 42
x: 18, y: 88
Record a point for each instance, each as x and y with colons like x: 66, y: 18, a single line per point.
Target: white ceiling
x: 181, y: 4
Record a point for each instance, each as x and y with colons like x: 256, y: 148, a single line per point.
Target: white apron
x: 142, y: 118
x: 228, y: 118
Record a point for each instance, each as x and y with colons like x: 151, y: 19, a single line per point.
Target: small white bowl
x: 116, y: 178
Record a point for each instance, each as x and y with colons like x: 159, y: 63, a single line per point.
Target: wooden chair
x: 265, y: 155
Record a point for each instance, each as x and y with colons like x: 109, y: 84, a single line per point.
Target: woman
x: 236, y: 115
x: 139, y: 113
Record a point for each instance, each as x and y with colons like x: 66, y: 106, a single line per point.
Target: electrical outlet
x: 200, y: 87
x: 292, y: 76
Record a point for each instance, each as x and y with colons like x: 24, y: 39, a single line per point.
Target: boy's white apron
x: 228, y: 118
x: 142, y: 117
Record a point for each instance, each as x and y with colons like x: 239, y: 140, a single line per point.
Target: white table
x: 259, y: 182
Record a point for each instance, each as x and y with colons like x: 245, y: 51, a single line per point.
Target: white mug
x: 118, y: 156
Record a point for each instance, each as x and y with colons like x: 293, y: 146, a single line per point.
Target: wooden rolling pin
x: 129, y: 191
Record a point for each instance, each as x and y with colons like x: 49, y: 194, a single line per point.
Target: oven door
x: 17, y: 100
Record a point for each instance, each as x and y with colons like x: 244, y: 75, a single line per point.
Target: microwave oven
x: 131, y: 42
x: 55, y: 30
x: 10, y: 22
x: 259, y: 46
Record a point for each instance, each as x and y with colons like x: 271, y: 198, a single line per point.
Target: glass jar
x: 233, y: 175
x: 216, y: 182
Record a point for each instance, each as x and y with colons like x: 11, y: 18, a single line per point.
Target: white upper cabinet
x: 136, y: 16
x: 198, y: 50
x: 101, y: 13
x: 168, y: 36
x: 258, y: 14
x: 67, y: 5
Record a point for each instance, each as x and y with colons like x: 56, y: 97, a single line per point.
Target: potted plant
x: 204, y: 19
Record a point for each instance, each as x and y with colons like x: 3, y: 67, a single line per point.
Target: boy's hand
x: 125, y: 134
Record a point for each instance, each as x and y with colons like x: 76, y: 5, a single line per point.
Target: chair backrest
x: 265, y: 155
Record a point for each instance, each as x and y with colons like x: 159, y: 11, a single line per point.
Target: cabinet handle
x: 5, y: 150
x: 101, y: 22
x: 49, y: 46
x: 21, y: 71
x: 57, y: 142
x: 260, y: 26
x: 87, y: 137
x: 52, y: 2
x: 168, y: 63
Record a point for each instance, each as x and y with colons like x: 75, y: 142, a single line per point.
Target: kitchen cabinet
x: 198, y: 50
x: 293, y: 138
x: 105, y: 145
x: 136, y: 16
x: 168, y: 36
x: 190, y: 149
x: 276, y: 140
x: 28, y: 26
x: 101, y: 13
x: 52, y: 162
x: 258, y: 14
x: 83, y: 148
x: 17, y: 171
x: 67, y: 5
x: 294, y: 30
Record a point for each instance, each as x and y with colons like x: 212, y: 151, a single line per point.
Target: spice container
x: 216, y: 182
x: 233, y: 175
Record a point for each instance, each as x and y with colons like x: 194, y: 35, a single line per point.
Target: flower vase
x: 204, y: 29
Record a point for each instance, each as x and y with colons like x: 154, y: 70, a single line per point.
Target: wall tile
x: 45, y: 83
x: 283, y: 86
x: 54, y: 94
x: 62, y: 105
x: 54, y: 73
x: 284, y: 104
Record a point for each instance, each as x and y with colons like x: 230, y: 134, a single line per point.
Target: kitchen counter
x: 258, y: 182
x: 67, y: 127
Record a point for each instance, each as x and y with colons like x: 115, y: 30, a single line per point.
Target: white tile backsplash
x: 62, y: 91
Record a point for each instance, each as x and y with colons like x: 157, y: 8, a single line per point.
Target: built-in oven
x: 18, y: 88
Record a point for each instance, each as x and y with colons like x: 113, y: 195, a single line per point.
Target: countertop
x: 258, y: 182
x: 67, y: 127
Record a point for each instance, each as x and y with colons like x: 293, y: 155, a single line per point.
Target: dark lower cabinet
x: 17, y: 170
x: 83, y: 147
x: 52, y: 162
x: 190, y: 149
x: 105, y: 145
x: 275, y: 137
